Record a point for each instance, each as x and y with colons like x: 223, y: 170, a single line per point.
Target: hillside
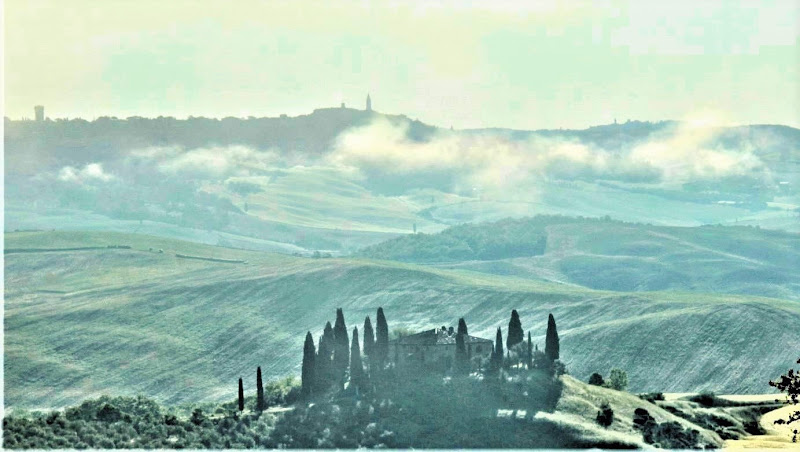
x: 66, y: 141
x: 337, y: 180
x: 134, y: 321
x: 613, y: 255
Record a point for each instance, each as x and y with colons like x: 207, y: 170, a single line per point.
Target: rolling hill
x: 613, y: 255
x: 293, y: 184
x: 86, y: 322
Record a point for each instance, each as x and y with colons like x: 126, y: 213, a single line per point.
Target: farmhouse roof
x: 436, y: 337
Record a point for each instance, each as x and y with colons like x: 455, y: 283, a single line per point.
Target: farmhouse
x: 436, y: 349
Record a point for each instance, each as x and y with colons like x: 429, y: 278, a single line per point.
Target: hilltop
x: 132, y: 321
x: 31, y: 145
x: 612, y: 255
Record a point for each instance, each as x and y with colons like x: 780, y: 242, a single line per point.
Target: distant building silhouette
x: 369, y: 103
x: 39, y: 112
x: 343, y: 105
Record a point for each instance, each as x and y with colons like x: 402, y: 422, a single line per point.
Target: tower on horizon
x: 38, y: 111
x: 369, y: 103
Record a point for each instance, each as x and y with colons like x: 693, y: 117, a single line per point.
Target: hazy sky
x: 512, y: 64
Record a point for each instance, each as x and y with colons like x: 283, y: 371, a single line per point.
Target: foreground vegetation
x: 410, y: 409
x: 141, y: 423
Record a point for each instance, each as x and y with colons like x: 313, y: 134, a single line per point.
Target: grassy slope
x: 133, y: 321
x: 579, y: 404
x: 633, y: 257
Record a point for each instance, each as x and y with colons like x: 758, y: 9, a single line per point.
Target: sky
x: 524, y: 65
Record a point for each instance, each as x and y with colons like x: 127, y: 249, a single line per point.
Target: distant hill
x: 613, y: 255
x: 499, y: 240
x: 31, y: 145
x: 128, y: 321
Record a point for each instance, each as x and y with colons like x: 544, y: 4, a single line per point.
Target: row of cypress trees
x: 261, y: 403
x: 338, y: 358
x: 516, y: 336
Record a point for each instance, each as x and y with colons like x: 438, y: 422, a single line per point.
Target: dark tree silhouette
x: 323, y: 364
x: 790, y: 384
x: 462, y: 330
x: 498, y: 350
x: 551, y: 341
x: 356, y: 365
x: 381, y: 339
x: 241, y: 395
x: 515, y: 333
x: 461, y: 359
x: 307, y: 372
x: 596, y: 379
x: 341, y: 349
x: 462, y: 327
x: 260, y: 402
x: 369, y: 338
x: 605, y: 417
x: 529, y: 353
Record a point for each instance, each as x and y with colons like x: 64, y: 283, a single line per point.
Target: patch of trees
x: 666, y: 435
x: 521, y: 354
x: 500, y: 240
x: 337, y: 364
x: 617, y: 380
x: 409, y: 408
x: 141, y: 423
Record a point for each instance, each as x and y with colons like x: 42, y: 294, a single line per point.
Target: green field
x: 118, y: 321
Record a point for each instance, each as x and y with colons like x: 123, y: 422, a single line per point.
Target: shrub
x: 671, y: 435
x: 108, y: 413
x: 198, y: 417
x: 652, y: 396
x: 617, y: 379
x: 605, y: 417
x: 707, y: 399
x: 642, y: 420
x: 596, y: 379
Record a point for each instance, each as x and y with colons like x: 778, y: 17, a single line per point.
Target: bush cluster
x: 667, y: 435
x: 141, y: 423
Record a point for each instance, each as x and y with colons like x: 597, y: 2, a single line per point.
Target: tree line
x: 337, y: 362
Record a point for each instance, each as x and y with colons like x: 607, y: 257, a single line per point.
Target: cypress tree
x: 356, y: 365
x: 241, y: 395
x: 341, y: 349
x: 551, y: 340
x: 529, y: 355
x: 461, y: 360
x: 462, y: 327
x: 498, y: 349
x: 307, y: 375
x: 369, y: 337
x: 515, y: 333
x: 381, y: 340
x: 260, y: 402
x: 369, y: 344
x: 323, y: 364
